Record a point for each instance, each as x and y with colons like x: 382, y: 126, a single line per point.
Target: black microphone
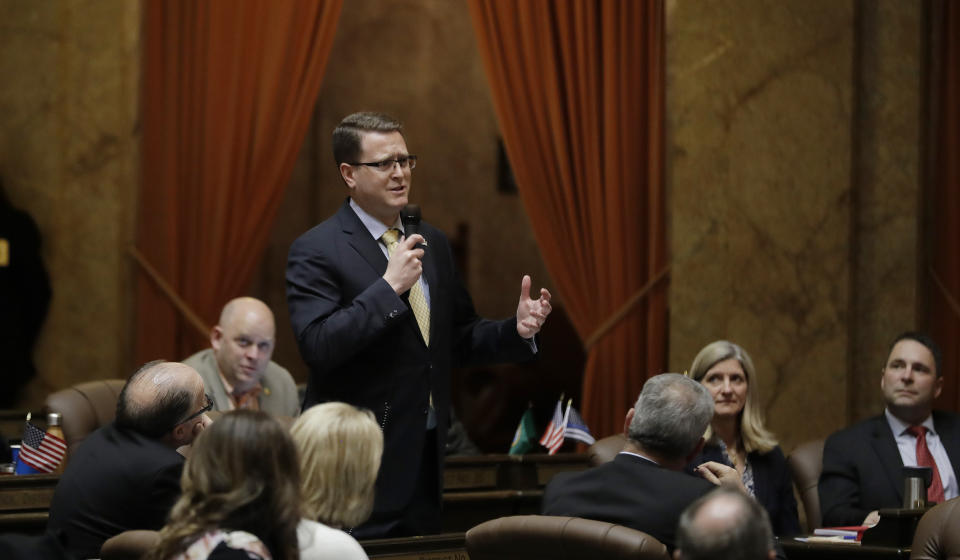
x: 410, y: 218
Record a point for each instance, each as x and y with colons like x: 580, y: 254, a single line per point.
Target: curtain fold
x: 578, y: 89
x: 943, y: 194
x: 228, y: 94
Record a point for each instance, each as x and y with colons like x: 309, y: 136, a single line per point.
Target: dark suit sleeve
x: 326, y: 330
x: 480, y: 341
x: 839, y: 486
x: 164, y: 492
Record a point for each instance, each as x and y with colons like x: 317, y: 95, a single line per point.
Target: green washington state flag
x: 526, y: 432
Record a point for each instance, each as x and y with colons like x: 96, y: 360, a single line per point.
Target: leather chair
x: 85, y: 407
x: 522, y: 537
x: 938, y: 534
x: 604, y: 450
x: 806, y: 464
x: 129, y: 545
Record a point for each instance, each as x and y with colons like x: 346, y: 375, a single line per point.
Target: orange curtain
x: 578, y: 89
x: 943, y: 288
x: 228, y: 93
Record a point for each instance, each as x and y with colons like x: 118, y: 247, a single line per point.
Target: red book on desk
x: 855, y: 531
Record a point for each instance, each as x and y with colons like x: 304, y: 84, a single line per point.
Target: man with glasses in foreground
x: 381, y: 319
x: 126, y: 475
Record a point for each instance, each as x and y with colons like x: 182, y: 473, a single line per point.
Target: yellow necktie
x: 417, y: 302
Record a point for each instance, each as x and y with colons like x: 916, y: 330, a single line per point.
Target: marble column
x: 760, y: 105
x: 69, y: 145
x: 794, y: 157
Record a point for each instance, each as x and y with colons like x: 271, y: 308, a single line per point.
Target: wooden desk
x: 796, y: 550
x: 447, y: 546
x: 483, y: 487
x: 24, y: 502
x: 476, y: 489
x: 517, y: 472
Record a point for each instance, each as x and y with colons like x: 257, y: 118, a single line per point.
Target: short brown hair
x: 347, y: 136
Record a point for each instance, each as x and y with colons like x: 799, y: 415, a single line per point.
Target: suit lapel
x: 361, y: 240
x: 761, y: 479
x: 369, y: 249
x: 888, y: 454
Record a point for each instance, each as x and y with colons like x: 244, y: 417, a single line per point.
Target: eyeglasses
x: 206, y: 408
x: 387, y: 164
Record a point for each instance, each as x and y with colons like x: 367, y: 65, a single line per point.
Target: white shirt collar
x: 899, y: 427
x: 635, y: 454
x: 373, y: 225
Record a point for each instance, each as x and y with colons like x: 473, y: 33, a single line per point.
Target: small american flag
x: 42, y: 451
x: 555, y: 439
x: 553, y: 428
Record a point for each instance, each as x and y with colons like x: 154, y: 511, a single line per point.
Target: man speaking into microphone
x: 381, y: 317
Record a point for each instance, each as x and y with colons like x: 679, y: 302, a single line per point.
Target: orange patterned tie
x: 925, y: 459
x: 417, y: 301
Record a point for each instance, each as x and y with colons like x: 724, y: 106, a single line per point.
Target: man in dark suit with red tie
x: 862, y: 465
x: 381, y: 319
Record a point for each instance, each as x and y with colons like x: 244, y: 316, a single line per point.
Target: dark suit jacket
x: 363, y: 346
x: 628, y: 491
x: 116, y: 481
x: 862, y: 469
x: 773, y: 486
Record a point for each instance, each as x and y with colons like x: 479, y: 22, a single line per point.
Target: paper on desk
x: 836, y: 539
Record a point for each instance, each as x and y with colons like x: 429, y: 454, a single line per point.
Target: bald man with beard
x: 126, y: 475
x: 237, y: 370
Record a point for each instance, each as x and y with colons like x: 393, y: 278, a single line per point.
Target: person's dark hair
x: 744, y: 533
x: 242, y: 475
x: 671, y: 415
x: 347, y: 136
x: 924, y: 339
x: 153, y: 417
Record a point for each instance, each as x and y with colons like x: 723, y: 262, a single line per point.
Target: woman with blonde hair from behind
x: 737, y: 436
x: 340, y: 447
x: 240, y: 494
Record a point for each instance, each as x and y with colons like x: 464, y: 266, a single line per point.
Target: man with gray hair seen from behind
x: 645, y: 486
x: 126, y: 475
x: 728, y: 524
x: 237, y: 370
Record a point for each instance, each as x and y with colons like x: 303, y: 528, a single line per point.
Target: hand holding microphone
x: 405, y: 267
x: 410, y: 218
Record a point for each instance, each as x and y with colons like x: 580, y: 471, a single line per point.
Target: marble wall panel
x: 887, y: 235
x: 759, y: 111
x: 69, y: 74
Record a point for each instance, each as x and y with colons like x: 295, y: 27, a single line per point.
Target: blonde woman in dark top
x: 737, y: 436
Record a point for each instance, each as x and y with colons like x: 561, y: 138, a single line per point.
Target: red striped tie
x: 925, y: 459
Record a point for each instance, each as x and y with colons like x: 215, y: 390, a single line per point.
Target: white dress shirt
x: 907, y: 444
